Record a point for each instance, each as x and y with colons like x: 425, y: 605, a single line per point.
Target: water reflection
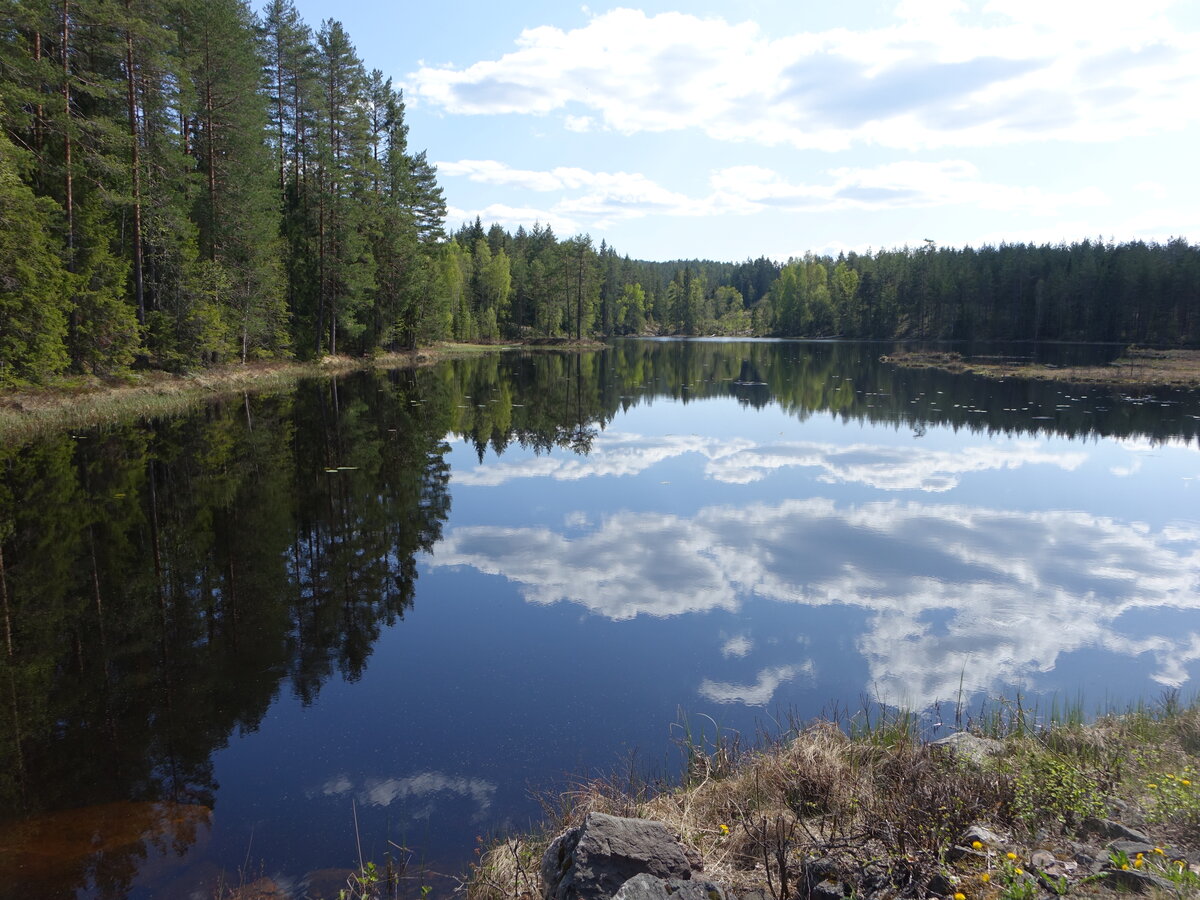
x: 734, y: 524
x: 162, y: 584
x: 1014, y: 590
x: 741, y: 461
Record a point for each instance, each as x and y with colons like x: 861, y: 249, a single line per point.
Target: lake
x: 389, y: 608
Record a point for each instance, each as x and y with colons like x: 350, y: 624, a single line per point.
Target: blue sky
x: 732, y: 130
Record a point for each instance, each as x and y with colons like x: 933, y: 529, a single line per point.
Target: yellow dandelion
x: 1169, y: 775
x: 1137, y: 863
x: 724, y: 829
x: 959, y: 895
x: 1160, y: 851
x: 985, y: 877
x: 1018, y: 871
x: 1152, y: 785
x: 1185, y: 782
x: 1011, y: 855
x: 976, y: 845
x: 1124, y: 866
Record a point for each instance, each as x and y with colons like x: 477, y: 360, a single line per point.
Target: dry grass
x: 1137, y: 367
x: 84, y: 402
x: 882, y: 815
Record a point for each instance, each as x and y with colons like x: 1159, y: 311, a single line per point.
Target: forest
x: 189, y: 184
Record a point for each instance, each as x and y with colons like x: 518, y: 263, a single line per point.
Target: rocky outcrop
x: 598, y: 858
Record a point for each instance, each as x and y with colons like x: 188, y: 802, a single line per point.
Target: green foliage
x: 1173, y: 796
x: 32, y: 281
x: 1052, y: 786
x: 104, y: 333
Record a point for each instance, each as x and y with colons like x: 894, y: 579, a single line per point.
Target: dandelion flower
x: 724, y: 829
x: 1124, y: 866
x: 1018, y: 871
x: 1160, y: 851
x: 1152, y: 785
x: 1011, y: 855
x: 959, y: 895
x: 1137, y: 863
x: 985, y: 877
x: 976, y: 845
x: 1169, y: 775
x: 1185, y: 782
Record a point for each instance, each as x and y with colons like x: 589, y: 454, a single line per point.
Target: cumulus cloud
x: 420, y: 792
x: 737, y: 647
x: 1012, y: 590
x: 934, y: 77
x: 757, y: 694
x: 740, y: 461
x: 603, y: 198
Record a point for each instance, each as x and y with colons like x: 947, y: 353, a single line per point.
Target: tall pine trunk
x: 135, y: 171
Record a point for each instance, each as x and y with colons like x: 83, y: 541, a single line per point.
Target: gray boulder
x: 969, y: 748
x: 594, y: 860
x: 647, y: 887
x: 1111, y: 829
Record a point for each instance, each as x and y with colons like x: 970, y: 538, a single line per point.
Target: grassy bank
x: 1136, y: 367
x: 868, y: 809
x: 82, y: 402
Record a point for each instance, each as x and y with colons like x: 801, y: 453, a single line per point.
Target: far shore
x: 88, y: 401
x: 1136, y: 367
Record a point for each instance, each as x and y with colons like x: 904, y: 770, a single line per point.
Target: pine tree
x: 346, y: 270
x: 33, y: 282
x: 236, y: 210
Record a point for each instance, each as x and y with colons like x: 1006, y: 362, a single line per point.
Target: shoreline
x: 1007, y: 809
x: 90, y: 401
x: 1137, y: 367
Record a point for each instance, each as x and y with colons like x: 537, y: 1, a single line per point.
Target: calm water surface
x: 413, y: 597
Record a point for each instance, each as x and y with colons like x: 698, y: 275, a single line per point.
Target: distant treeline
x: 1087, y: 291
x: 183, y: 183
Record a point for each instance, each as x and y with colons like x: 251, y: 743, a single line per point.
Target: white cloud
x: 602, y: 198
x: 419, y: 794
x: 1015, y: 590
x: 757, y: 694
x: 513, y: 217
x: 737, y: 647
x: 1029, y: 70
x: 740, y: 461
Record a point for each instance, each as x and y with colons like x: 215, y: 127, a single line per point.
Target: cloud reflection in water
x: 1012, y: 590
x: 741, y: 461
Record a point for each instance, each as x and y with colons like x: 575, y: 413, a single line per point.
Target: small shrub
x: 1173, y: 798
x: 1052, y: 787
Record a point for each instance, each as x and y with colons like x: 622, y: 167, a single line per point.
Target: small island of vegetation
x: 1136, y: 367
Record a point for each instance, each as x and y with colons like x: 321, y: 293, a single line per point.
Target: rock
x: 1111, y: 829
x: 1042, y: 858
x: 985, y: 836
x: 1133, y: 880
x: 969, y: 747
x: 822, y: 868
x: 940, y: 885
x: 826, y: 890
x: 1087, y: 860
x: 1131, y: 848
x: 955, y: 853
x: 647, y: 887
x: 594, y: 860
